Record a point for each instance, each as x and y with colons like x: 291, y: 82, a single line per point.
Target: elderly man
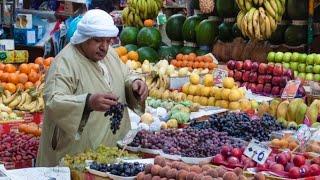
x: 85, y: 80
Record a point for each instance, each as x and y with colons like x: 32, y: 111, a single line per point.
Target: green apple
x: 316, y: 77
x: 302, y: 75
x: 294, y: 57
x: 302, y: 58
x: 302, y: 68
x: 309, y: 76
x: 294, y: 66
x: 310, y: 59
x: 278, y: 57
x: 286, y: 65
x: 316, y: 59
x: 295, y: 73
x: 316, y: 69
x: 270, y: 56
x: 309, y: 69
x: 287, y: 57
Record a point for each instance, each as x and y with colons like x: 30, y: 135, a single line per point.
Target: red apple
x: 276, y: 80
x: 314, y: 170
x: 239, y: 65
x: 247, y: 64
x: 253, y: 77
x: 316, y: 160
x: 225, y: 151
x: 277, y: 168
x: 245, y: 84
x: 233, y: 160
x: 231, y: 65
x: 299, y: 160
x: 255, y: 67
x: 252, y: 87
x: 281, y: 158
x: 262, y: 166
x: 270, y: 68
x: 275, y: 91
x: 262, y: 68
x: 246, y: 76
x: 230, y: 73
x: 288, y: 166
x: 261, y: 79
x: 294, y: 172
x: 304, y: 170
x: 238, y: 75
x: 283, y: 81
x: 268, y: 78
x: 288, y: 155
x: 218, y: 159
x: 267, y: 89
x: 288, y: 73
x: 278, y: 70
x: 236, y: 152
x: 259, y: 88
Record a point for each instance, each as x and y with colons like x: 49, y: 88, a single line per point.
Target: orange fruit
x: 179, y: 57
x: 195, y: 65
x: 124, y: 59
x: 191, y: 58
x: 184, y: 63
x: 133, y: 55
x: 20, y: 86
x: 122, y: 51
x: 197, y: 58
x: 13, y: 78
x: 212, y: 66
x: 48, y: 61
x: 11, y: 87
x: 201, y: 64
x: 185, y: 58
x: 173, y: 62
x: 33, y: 77
x: 24, y: 68
x: 23, y: 78
x: 190, y: 64
x: 4, y: 77
x: 39, y: 60
x: 179, y: 64
x: 3, y: 84
x: 2, y: 66
x: 207, y: 59
x: 28, y: 85
x: 34, y: 67
x: 37, y: 83
x: 9, y: 68
x: 148, y: 23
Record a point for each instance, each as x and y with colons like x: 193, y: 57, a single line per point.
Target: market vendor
x: 86, y: 79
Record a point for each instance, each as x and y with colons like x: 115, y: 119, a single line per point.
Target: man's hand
x: 140, y: 88
x: 102, y: 101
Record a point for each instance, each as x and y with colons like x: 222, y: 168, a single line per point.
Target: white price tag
x: 303, y: 134
x: 130, y: 136
x: 219, y: 75
x: 257, y: 151
x: 178, y: 82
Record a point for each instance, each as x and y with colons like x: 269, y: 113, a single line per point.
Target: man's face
x: 96, y: 48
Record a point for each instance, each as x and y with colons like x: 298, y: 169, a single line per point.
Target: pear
x: 282, y: 110
x: 291, y: 114
x: 273, y: 107
x: 300, y: 113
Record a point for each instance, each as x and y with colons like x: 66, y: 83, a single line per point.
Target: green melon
x: 297, y: 9
x: 149, y: 36
x: 131, y: 47
x: 129, y: 35
x: 225, y: 32
x: 201, y: 52
x: 177, y: 48
x: 147, y: 53
x: 295, y: 35
x: 174, y: 27
x: 166, y: 52
x: 225, y: 8
x: 187, y: 50
x: 206, y: 32
x: 189, y: 26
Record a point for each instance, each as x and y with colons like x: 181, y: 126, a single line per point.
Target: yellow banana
x: 15, y: 102
x: 23, y: 99
x: 28, y: 107
x: 250, y: 23
x: 248, y: 4
x: 268, y: 27
x: 8, y: 99
x: 274, y: 6
x: 244, y: 25
x: 255, y: 2
x: 262, y: 22
x: 261, y: 2
x: 269, y: 9
x: 255, y: 23
x: 242, y: 5
x: 273, y: 24
x: 280, y: 10
x: 36, y: 107
x: 240, y: 16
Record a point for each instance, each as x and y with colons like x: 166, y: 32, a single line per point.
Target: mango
x: 273, y: 107
x: 282, y: 110
x: 300, y: 113
x: 293, y: 108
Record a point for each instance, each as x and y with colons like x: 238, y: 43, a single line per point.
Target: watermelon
x: 206, y: 32
x: 201, y: 52
x: 225, y: 32
x: 131, y: 47
x: 129, y: 35
x: 297, y: 9
x: 166, y: 52
x: 225, y: 8
x: 177, y: 48
x: 236, y: 32
x: 147, y: 53
x: 189, y: 26
x: 295, y: 35
x: 174, y: 27
x: 277, y: 37
x: 149, y: 36
x: 187, y: 50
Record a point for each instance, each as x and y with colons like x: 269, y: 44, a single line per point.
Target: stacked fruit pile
x: 17, y: 147
x: 179, y: 170
x: 240, y: 126
x: 185, y: 142
x: 266, y: 79
x: 259, y: 18
x: 139, y: 10
x: 286, y: 142
x: 119, y: 169
x: 193, y: 61
x: 6, y: 114
x: 306, y: 67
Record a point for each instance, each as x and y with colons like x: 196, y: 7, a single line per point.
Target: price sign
x: 178, y: 82
x: 130, y: 136
x: 219, y: 75
x: 257, y: 151
x: 291, y: 89
x: 303, y: 134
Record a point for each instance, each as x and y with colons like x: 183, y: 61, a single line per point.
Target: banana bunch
x: 29, y: 100
x: 258, y: 18
x: 139, y: 10
x: 157, y: 82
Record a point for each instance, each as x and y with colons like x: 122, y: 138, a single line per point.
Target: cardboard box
x: 25, y: 36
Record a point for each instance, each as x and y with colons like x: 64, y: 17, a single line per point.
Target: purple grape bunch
x: 116, y: 113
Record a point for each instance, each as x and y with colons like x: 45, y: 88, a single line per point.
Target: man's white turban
x: 95, y: 23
